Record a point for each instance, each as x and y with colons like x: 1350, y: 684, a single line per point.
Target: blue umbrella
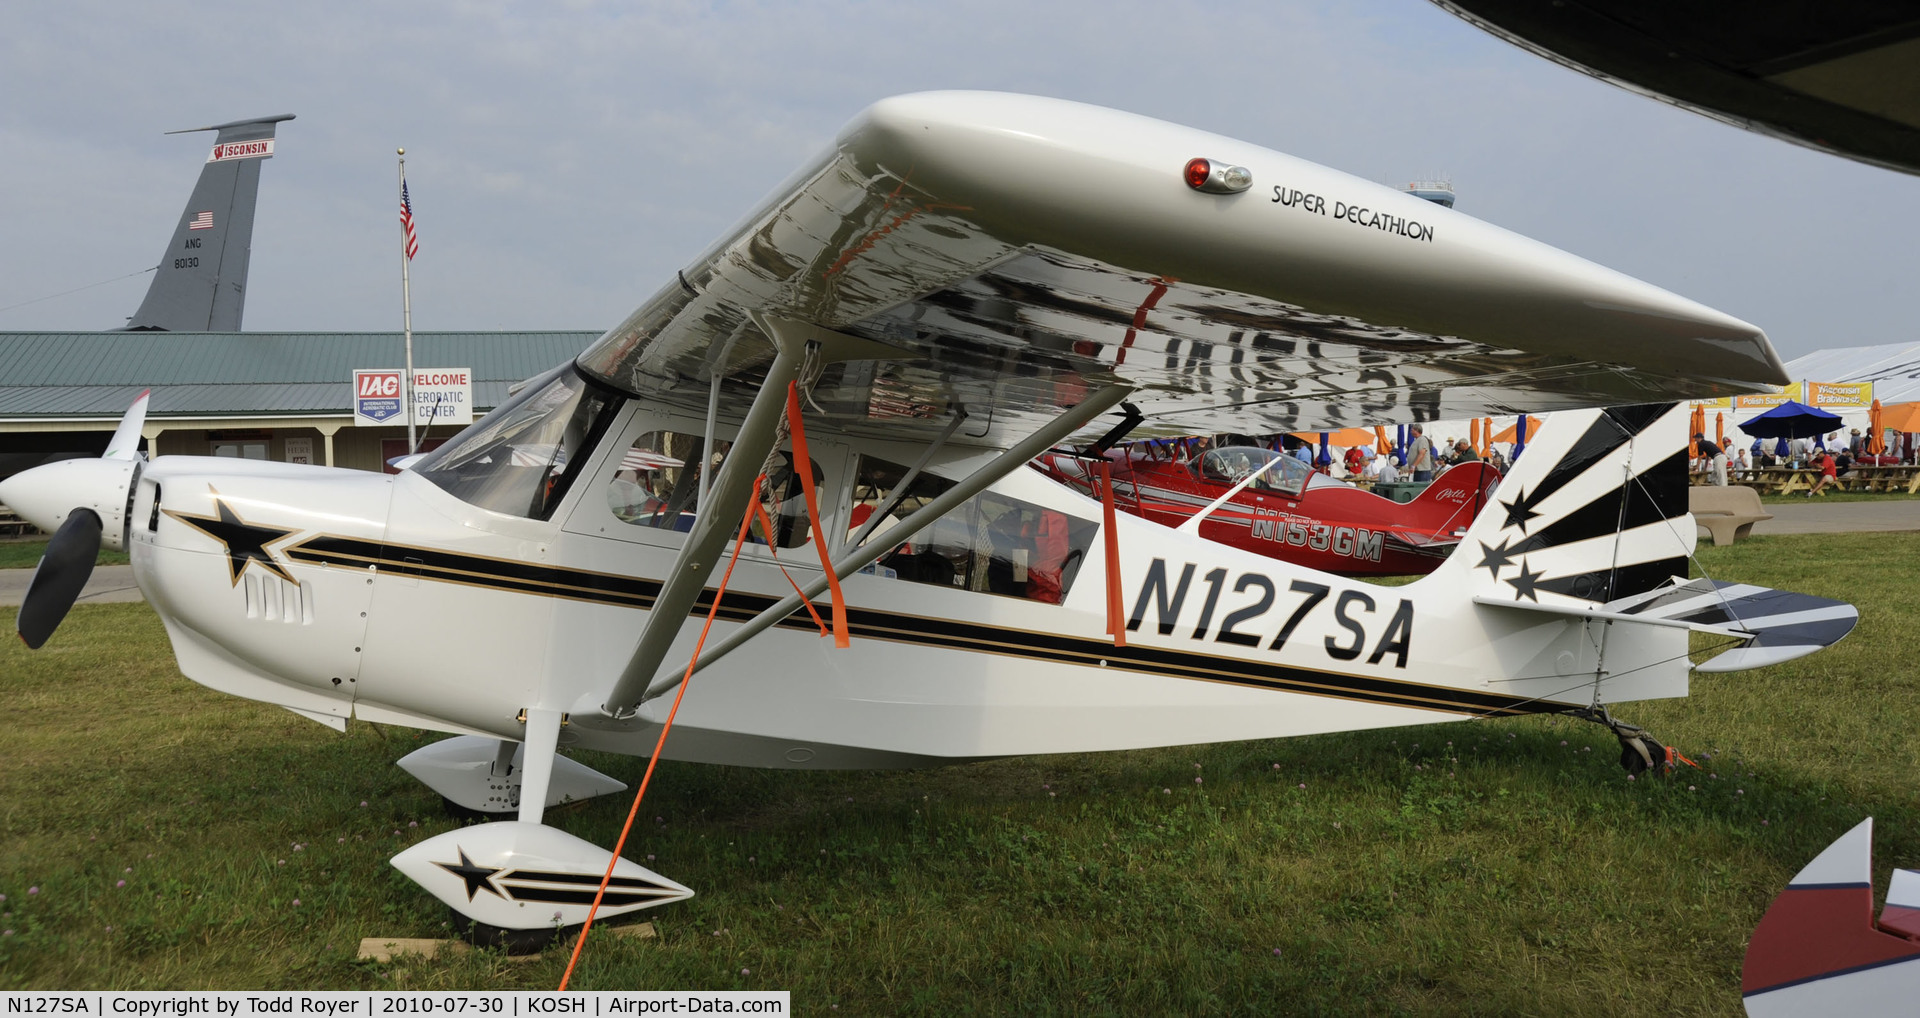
x: 1400, y: 448
x: 1520, y: 438
x: 1790, y: 420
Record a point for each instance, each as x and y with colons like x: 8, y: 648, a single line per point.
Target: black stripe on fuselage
x: 624, y: 591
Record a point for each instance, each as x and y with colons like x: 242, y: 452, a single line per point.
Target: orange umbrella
x: 1344, y: 438
x: 1512, y: 430
x: 1380, y: 442
x: 1486, y: 437
x: 1901, y: 417
x: 1875, y: 443
x: 1698, y: 427
x: 1720, y: 430
x: 1473, y: 434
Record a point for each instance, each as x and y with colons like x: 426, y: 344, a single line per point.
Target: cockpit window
x: 657, y: 483
x: 521, y: 458
x: 1232, y: 464
x: 993, y: 543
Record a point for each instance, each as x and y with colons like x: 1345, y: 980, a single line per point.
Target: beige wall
x: 355, y: 448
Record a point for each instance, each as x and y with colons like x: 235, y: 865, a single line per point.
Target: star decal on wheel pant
x: 244, y: 542
x: 478, y: 878
x: 1521, y: 509
x: 1526, y: 583
x: 1496, y: 559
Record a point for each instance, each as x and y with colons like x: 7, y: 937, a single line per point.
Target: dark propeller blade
x: 56, y: 582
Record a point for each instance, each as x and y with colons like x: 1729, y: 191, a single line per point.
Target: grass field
x: 25, y: 554
x: 1496, y: 868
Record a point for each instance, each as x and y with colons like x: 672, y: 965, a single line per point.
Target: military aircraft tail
x: 201, y: 284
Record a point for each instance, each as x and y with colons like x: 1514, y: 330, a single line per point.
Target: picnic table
x: 11, y: 525
x: 1787, y: 480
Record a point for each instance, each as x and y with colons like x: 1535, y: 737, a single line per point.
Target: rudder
x: 201, y: 282
x: 1595, y: 510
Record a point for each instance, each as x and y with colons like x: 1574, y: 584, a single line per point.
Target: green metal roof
x: 226, y: 374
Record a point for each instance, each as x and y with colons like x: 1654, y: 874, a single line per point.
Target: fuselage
x: 393, y: 599
x: 1288, y: 511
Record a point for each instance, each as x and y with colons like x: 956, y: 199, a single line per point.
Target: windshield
x: 1232, y: 464
x: 521, y: 458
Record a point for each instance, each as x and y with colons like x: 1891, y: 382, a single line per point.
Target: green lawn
x: 25, y: 554
x: 1494, y: 868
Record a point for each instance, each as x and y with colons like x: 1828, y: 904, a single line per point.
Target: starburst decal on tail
x: 1521, y: 509
x: 1525, y: 584
x: 1496, y: 559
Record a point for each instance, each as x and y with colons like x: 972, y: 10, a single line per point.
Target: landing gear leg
x: 1640, y: 752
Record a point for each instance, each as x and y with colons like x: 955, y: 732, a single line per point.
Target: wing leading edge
x: 1018, y: 251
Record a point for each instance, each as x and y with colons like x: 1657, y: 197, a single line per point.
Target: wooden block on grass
x: 385, y: 949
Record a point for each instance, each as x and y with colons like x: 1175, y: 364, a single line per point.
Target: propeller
x: 59, y: 578
x: 87, y: 501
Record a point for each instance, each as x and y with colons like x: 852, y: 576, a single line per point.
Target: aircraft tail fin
x: 1454, y: 500
x: 1595, y: 511
x: 201, y: 284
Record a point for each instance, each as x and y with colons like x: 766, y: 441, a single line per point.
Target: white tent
x: 1893, y: 369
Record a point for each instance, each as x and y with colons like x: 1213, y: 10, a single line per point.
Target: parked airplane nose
x: 47, y: 495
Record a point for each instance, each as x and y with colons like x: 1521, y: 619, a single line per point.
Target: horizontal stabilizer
x: 1902, y: 914
x: 1772, y: 625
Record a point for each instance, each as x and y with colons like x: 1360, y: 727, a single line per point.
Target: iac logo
x: 376, y: 395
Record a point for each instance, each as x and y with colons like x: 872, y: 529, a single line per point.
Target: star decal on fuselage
x: 1526, y: 583
x: 245, y: 542
x: 1496, y: 559
x: 1521, y: 509
x: 478, y: 878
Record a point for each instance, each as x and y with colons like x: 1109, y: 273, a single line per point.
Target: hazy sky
x: 566, y: 158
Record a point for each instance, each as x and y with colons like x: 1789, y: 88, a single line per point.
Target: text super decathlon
x: 961, y: 282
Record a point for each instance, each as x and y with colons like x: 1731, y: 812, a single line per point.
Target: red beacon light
x: 1215, y: 177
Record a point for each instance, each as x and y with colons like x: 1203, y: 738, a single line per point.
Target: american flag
x: 203, y: 221
x: 406, y: 221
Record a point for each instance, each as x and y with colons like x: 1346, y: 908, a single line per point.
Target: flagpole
x: 406, y: 318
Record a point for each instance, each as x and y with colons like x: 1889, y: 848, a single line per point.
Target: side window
x: 657, y: 484
x: 993, y: 544
x: 658, y: 481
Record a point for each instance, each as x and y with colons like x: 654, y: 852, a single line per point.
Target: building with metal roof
x: 265, y: 395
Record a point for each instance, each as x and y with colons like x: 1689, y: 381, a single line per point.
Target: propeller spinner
x: 84, y: 503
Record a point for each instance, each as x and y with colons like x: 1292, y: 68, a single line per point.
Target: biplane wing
x: 1014, y: 253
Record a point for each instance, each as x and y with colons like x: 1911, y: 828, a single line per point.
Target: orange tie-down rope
x: 1116, y: 626
x: 803, y: 465
x: 686, y: 680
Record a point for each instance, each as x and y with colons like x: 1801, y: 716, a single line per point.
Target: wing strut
x: 732, y: 488
x: 854, y: 559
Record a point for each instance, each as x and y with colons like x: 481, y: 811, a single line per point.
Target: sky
x: 565, y: 158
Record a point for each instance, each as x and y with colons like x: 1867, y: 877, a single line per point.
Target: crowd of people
x: 1833, y: 455
x: 1420, y: 460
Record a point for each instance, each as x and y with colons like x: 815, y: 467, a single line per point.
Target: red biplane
x: 1275, y: 504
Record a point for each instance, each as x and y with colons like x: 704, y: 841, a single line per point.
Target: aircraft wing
x: 1010, y: 253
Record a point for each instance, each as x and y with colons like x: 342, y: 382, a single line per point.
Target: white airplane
x: 961, y: 282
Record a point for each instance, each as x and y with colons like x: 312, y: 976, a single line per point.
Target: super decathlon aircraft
x: 961, y: 282
x: 1270, y: 503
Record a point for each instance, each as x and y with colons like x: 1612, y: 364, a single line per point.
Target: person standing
x: 1420, y: 455
x: 1715, y: 456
